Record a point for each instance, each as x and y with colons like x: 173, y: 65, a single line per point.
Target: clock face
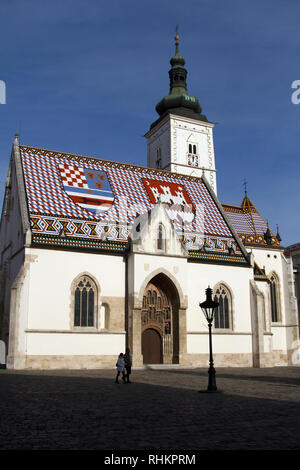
x: 192, y: 159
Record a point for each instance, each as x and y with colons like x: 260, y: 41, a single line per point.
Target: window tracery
x: 275, y: 298
x: 156, y: 311
x: 85, y: 301
x: 223, y: 316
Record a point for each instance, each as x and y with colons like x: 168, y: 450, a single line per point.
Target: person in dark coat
x: 128, y: 364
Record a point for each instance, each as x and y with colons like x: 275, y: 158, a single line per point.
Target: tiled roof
x: 248, y: 223
x: 61, y: 194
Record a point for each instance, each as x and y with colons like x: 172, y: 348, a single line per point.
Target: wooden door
x: 151, y: 346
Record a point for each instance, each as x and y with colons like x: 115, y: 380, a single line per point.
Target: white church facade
x: 97, y: 256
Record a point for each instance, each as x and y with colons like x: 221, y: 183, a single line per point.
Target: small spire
x: 17, y: 137
x: 245, y: 186
x: 247, y: 205
x: 268, y: 235
x: 277, y: 234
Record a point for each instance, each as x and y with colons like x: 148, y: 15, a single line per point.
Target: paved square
x: 161, y: 409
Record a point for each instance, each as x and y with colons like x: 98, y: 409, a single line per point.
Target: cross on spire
x: 245, y: 186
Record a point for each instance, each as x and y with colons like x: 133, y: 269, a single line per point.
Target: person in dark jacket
x: 128, y: 363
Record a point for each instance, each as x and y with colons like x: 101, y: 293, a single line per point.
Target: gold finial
x: 176, y: 36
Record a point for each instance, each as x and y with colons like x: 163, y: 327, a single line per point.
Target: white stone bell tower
x: 181, y: 139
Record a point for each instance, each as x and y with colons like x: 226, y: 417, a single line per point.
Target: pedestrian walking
x: 128, y: 364
x: 120, y: 365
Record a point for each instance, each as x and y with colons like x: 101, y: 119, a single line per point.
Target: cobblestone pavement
x: 161, y: 409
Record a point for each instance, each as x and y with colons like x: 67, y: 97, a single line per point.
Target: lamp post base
x: 212, y: 387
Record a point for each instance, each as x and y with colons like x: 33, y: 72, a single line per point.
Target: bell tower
x: 181, y: 139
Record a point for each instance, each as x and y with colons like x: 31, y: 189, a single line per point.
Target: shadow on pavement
x: 240, y: 375
x: 86, y: 410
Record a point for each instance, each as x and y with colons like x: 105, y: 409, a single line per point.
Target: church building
x: 97, y: 256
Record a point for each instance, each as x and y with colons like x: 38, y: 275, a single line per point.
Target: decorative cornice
x: 218, y: 258
x: 254, y: 240
x: 72, y: 242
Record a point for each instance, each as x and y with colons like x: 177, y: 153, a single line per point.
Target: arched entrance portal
x: 160, y: 335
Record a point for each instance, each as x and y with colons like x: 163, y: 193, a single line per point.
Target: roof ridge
x: 113, y: 163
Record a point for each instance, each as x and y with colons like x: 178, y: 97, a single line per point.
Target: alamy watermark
x: 2, y: 92
x: 295, y: 98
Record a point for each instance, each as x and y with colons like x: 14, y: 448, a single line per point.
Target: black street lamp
x: 209, y: 308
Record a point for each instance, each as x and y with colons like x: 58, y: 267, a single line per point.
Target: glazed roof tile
x: 52, y: 177
x: 248, y: 223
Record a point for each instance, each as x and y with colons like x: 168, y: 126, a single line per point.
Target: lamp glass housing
x: 209, y: 306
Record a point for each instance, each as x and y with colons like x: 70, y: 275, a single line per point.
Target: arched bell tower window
x: 85, y: 302
x: 193, y: 149
x: 223, y: 316
x: 275, y: 298
x: 192, y: 152
x: 158, y: 158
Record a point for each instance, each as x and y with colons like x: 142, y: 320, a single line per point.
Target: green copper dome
x: 178, y: 101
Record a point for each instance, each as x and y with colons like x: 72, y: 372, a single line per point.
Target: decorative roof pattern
x: 248, y: 223
x: 54, y: 211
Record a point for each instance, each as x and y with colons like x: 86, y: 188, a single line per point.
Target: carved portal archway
x: 159, y: 317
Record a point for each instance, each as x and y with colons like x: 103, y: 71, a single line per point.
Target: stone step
x: 162, y: 367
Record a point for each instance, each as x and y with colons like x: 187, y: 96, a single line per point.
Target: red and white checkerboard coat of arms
x: 178, y: 204
x: 73, y: 176
x: 89, y: 189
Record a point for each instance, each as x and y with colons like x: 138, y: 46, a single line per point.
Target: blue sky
x: 84, y: 76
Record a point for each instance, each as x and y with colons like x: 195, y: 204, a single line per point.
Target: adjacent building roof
x: 250, y: 225
x: 78, y: 201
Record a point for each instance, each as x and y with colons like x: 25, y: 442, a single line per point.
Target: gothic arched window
x: 161, y: 237
x: 85, y: 302
x: 223, y: 316
x: 275, y: 298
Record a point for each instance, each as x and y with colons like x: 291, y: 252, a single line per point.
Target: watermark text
x: 295, y: 98
x: 2, y: 92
